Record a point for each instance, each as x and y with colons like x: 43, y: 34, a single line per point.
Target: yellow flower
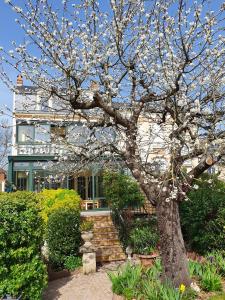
x: 182, y: 288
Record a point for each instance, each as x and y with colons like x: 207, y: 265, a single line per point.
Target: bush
x: 63, y: 235
x: 143, y: 237
x: 22, y: 271
x: 51, y: 200
x: 121, y: 191
x: 72, y: 262
x: 203, y: 216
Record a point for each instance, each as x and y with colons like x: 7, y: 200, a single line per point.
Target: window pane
x: 78, y: 134
x: 42, y: 133
x: 81, y: 187
x: 90, y: 187
x: 44, y: 104
x: 25, y: 133
x: 21, y: 180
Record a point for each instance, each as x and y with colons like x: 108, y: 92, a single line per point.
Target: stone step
x: 106, y: 239
x: 106, y: 242
x: 106, y: 250
x: 112, y: 257
x: 96, y: 219
x: 106, y: 235
x: 103, y: 224
x: 104, y: 229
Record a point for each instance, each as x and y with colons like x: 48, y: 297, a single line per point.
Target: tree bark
x: 172, y: 249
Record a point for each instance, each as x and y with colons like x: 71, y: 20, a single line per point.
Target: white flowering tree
x: 157, y: 74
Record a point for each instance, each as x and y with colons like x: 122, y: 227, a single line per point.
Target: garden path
x: 95, y: 286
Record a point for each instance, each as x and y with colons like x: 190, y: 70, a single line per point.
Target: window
x: 44, y: 105
x: 89, y: 187
x: 57, y: 132
x: 78, y: 134
x: 81, y: 187
x: 21, y: 180
x: 45, y: 180
x: 98, y: 184
x: 42, y: 133
x: 25, y: 133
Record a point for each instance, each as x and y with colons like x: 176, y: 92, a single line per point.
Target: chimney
x: 19, y: 81
x: 94, y: 86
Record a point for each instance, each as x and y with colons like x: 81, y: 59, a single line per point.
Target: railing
x: 46, y: 149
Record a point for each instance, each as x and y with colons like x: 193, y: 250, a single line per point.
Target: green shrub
x: 203, y: 216
x: 51, y: 200
x: 22, y: 271
x: 121, y: 191
x: 144, y: 236
x: 72, y: 262
x: 63, y: 235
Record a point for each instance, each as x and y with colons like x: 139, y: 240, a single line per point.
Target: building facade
x: 37, y: 130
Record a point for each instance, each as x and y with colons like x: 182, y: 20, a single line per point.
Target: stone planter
x: 89, y: 254
x: 148, y: 260
x: 87, y: 236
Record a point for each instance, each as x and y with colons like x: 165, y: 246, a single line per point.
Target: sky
x: 10, y: 31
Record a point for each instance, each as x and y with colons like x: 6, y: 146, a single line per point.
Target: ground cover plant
x: 22, y: 271
x: 134, y: 282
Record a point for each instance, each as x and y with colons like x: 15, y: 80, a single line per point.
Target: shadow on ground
x: 53, y: 290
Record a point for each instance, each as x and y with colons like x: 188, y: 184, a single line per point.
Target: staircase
x: 106, y: 240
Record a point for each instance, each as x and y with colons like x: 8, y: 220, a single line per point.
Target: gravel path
x: 95, y: 286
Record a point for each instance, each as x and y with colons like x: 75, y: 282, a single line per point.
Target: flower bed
x: 134, y: 282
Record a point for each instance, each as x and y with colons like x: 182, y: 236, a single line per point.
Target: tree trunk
x: 173, y: 253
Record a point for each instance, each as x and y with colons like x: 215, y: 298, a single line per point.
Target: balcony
x: 43, y: 149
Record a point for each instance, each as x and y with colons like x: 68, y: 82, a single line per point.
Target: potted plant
x: 144, y: 241
x: 147, y: 260
x: 86, y: 228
